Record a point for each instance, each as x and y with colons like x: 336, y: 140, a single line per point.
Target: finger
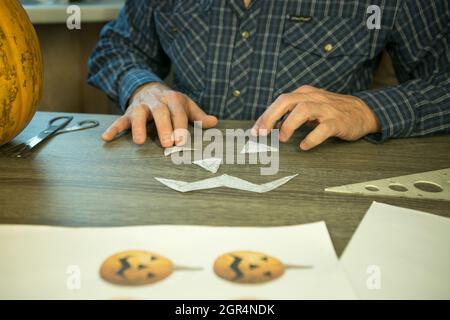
x: 161, y: 116
x: 196, y: 114
x: 301, y: 114
x: 283, y: 104
x: 139, y: 118
x: 321, y: 133
x: 121, y: 124
x: 179, y: 121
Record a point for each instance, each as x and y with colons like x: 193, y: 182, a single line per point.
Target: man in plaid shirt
x: 296, y: 60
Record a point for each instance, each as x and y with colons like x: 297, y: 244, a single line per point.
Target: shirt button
x: 236, y: 93
x: 328, y: 47
x: 174, y: 30
x: 245, y: 35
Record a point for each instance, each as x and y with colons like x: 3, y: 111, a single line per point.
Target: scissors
x: 55, y: 126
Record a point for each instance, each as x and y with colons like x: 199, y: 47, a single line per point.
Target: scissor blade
x: 50, y: 131
x: 34, y: 141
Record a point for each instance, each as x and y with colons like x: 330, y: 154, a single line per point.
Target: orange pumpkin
x: 21, y: 73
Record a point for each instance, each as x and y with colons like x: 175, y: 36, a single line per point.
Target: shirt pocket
x: 183, y: 32
x: 323, y: 52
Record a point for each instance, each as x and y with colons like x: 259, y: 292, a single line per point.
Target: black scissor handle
x: 82, y: 125
x: 56, y: 124
x: 87, y: 124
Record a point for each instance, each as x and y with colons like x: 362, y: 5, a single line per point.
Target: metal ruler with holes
x: 433, y: 185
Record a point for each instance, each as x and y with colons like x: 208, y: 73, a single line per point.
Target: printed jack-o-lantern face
x: 135, y: 268
x: 248, y: 267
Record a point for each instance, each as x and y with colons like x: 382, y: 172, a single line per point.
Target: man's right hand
x: 171, y: 110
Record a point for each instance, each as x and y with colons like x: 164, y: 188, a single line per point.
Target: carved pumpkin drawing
x: 250, y: 267
x: 21, y: 73
x: 137, y: 267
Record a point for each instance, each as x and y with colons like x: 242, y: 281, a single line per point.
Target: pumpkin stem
x: 185, y: 268
x: 296, y: 266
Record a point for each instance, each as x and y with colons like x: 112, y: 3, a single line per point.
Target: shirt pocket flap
x: 173, y: 20
x: 328, y: 36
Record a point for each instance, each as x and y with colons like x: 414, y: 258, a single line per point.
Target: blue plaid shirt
x: 234, y: 61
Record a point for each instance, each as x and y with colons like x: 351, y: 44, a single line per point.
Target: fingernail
x: 179, y: 141
x: 254, y: 132
x: 167, y: 138
x: 303, y: 146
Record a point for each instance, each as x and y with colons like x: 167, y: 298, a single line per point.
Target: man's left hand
x: 337, y: 115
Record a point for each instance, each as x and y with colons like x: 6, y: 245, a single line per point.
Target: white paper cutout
x: 210, y: 164
x: 169, y: 151
x: 224, y: 181
x: 255, y: 147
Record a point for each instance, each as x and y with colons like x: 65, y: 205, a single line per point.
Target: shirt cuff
x: 394, y: 109
x: 133, y: 79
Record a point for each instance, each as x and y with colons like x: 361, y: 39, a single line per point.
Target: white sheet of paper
x: 209, y: 164
x: 224, y: 181
x: 406, y: 250
x: 169, y: 151
x: 36, y: 261
x: 255, y: 147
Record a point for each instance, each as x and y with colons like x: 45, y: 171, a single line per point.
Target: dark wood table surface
x: 77, y: 180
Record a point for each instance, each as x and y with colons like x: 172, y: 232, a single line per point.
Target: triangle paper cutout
x: 169, y: 151
x: 255, y: 147
x: 210, y: 164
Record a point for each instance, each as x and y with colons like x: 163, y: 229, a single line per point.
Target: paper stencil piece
x: 224, y: 181
x: 255, y: 147
x: 169, y: 151
x: 210, y: 164
x: 433, y: 185
x: 182, y: 186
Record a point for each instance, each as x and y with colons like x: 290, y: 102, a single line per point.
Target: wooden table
x: 78, y: 180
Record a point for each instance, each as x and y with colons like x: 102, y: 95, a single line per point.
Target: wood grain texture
x: 77, y: 180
